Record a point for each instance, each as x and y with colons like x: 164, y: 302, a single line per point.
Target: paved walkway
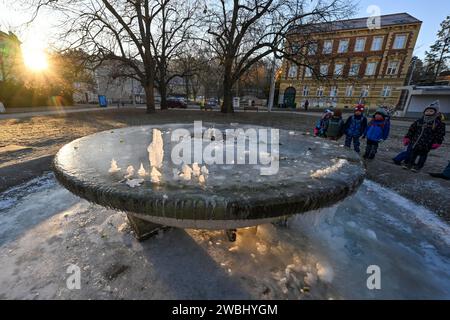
x: 50, y: 112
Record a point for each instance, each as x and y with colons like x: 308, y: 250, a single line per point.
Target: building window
x: 360, y: 44
x: 295, y: 48
x: 292, y: 71
x: 327, y: 46
x: 365, y: 91
x: 392, y: 68
x: 349, y: 91
x: 377, y: 43
x: 320, y: 91
x: 371, y: 68
x: 305, y: 91
x: 312, y: 49
x: 338, y: 69
x: 354, y: 69
x: 333, y: 91
x: 343, y: 46
x: 308, y: 72
x: 386, y: 92
x: 323, y: 69
x: 400, y: 41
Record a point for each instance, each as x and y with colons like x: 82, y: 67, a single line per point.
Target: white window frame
x: 386, y: 92
x: 392, y: 71
x: 395, y: 44
x: 308, y: 72
x: 295, y: 48
x: 378, y: 48
x: 320, y: 91
x: 341, y: 48
x: 305, y: 90
x: 358, y: 40
x: 312, y: 49
x: 356, y: 73
x: 365, y: 91
x: 349, y: 91
x: 334, y: 91
x: 372, y: 70
x: 293, y: 71
x: 324, y: 72
x: 325, y: 50
x: 336, y: 68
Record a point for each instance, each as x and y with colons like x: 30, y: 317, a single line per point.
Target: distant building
x: 10, y: 55
x: 418, y: 97
x: 117, y: 89
x: 352, y: 63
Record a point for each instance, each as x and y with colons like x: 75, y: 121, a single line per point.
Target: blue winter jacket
x: 355, y: 126
x: 377, y: 130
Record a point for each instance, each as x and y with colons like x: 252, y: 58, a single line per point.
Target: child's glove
x: 316, y: 132
x: 406, y: 141
x: 435, y: 146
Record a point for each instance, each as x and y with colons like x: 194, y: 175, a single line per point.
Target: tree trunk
x: 227, y: 106
x: 163, y: 93
x: 186, y: 87
x: 150, y: 98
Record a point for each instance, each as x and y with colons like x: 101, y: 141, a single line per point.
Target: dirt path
x: 44, y: 135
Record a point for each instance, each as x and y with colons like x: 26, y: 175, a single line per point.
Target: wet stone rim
x: 197, y: 204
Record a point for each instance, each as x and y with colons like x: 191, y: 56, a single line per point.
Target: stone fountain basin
x: 313, y: 174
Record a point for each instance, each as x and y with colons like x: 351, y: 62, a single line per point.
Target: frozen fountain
x: 310, y: 174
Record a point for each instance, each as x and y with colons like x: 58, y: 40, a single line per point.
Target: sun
x: 34, y: 56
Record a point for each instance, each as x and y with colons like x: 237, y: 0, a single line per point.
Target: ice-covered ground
x: 320, y: 255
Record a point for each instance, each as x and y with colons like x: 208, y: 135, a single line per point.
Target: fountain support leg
x: 143, y: 229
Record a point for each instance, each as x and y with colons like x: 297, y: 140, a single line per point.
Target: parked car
x: 176, y: 103
x: 211, y: 104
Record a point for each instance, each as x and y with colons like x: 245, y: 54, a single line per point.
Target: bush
x: 14, y: 95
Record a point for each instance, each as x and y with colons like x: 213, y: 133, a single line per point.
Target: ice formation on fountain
x: 329, y: 170
x: 134, y: 182
x: 156, y: 149
x: 196, y: 169
x: 186, y: 172
x: 114, y: 168
x: 155, y: 155
x: 141, y: 171
x: 204, y: 170
x: 155, y: 175
x: 130, y: 172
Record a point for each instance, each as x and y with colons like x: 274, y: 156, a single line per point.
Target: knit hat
x: 382, y: 111
x: 434, y: 105
x: 360, y: 108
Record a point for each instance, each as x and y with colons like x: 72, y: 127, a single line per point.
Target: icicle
x: 130, y: 172
x: 205, y: 170
x: 186, y: 172
x: 114, y: 168
x: 155, y: 175
x: 195, y: 169
x: 141, y: 171
x: 156, y: 149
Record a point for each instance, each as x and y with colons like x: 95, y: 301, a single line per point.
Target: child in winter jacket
x: 354, y: 128
x: 335, y: 128
x: 322, y: 124
x: 424, y: 135
x: 377, y: 130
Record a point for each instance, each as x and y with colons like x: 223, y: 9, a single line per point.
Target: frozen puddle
x: 323, y: 255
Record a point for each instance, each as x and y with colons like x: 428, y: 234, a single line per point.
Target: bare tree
x: 242, y: 32
x: 142, y: 35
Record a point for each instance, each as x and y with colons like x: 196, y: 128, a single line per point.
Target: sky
x: 431, y: 12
